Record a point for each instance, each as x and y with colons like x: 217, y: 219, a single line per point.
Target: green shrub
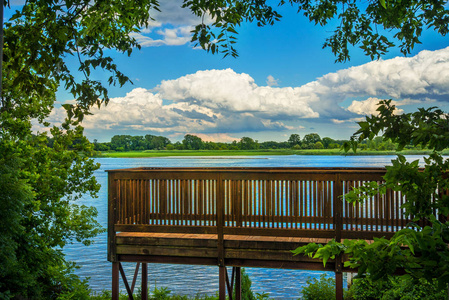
x: 400, y: 288
x: 319, y: 289
x: 406, y: 289
x: 161, y: 293
x: 262, y: 296
x: 365, y: 288
x: 247, y: 293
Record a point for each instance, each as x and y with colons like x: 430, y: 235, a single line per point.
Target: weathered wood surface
x: 262, y: 251
x: 238, y: 216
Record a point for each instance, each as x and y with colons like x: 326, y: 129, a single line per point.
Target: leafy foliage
x: 40, y: 184
x: 192, y: 142
x: 247, y: 292
x: 226, y: 16
x: 395, y: 288
x: 318, y: 289
x: 314, y: 250
x: 359, y: 23
x: 421, y: 251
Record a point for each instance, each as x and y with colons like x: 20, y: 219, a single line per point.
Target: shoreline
x: 223, y: 154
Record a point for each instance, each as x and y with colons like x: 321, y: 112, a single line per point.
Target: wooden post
x: 338, y: 225
x: 136, y: 272
x: 338, y: 207
x: 220, y: 220
x: 339, y: 284
x: 222, y: 283
x: 238, y: 283
x: 115, y: 281
x: 220, y: 245
x: 112, y: 220
x: 125, y: 281
x: 144, y: 286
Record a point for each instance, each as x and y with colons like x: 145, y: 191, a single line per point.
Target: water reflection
x: 192, y: 280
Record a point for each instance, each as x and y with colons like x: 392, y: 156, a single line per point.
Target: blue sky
x: 283, y: 82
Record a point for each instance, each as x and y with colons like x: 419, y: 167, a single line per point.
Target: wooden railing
x: 296, y: 202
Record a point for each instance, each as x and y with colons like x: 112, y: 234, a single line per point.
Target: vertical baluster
x: 128, y: 202
x: 284, y: 202
x: 315, y: 203
x: 157, y: 202
x: 302, y: 211
x: 119, y: 201
x: 325, y: 204
x: 312, y: 200
x: 270, y: 202
x: 250, y: 204
x: 259, y: 202
x: 277, y: 203
x: 209, y: 202
x: 180, y: 201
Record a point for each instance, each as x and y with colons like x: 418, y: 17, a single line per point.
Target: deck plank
x: 258, y: 248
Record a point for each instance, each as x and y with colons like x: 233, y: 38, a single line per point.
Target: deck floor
x: 239, y: 250
x: 228, y: 237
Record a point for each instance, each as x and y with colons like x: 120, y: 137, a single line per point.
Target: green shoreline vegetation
x: 236, y: 153
x: 191, y: 145
x: 315, y: 288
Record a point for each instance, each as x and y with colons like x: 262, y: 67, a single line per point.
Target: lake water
x: 192, y: 280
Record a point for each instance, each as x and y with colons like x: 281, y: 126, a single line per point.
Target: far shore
x: 236, y: 153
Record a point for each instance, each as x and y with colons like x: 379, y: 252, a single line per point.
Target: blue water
x: 191, y: 280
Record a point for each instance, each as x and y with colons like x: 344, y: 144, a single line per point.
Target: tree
x: 318, y: 145
x: 179, y: 146
x: 373, y: 26
x: 247, y: 143
x: 121, y: 142
x: 309, y: 140
x: 156, y: 142
x: 192, y: 142
x: 294, y: 140
x: 419, y: 250
x: 39, y: 185
x: 327, y: 141
x: 270, y: 145
x: 137, y: 143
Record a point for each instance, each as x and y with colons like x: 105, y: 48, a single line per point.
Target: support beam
x: 144, y: 286
x: 338, y: 278
x: 222, y: 283
x: 136, y: 272
x: 339, y: 285
x: 238, y: 283
x: 115, y: 281
x: 229, y: 284
x: 125, y: 281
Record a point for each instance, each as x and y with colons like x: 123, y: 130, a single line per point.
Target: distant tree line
x: 192, y: 142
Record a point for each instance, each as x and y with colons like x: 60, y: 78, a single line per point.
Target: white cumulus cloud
x: 230, y: 92
x: 427, y: 73
x: 224, y: 102
x: 271, y: 81
x: 369, y: 106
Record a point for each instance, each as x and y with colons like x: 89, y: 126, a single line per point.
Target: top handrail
x: 257, y: 169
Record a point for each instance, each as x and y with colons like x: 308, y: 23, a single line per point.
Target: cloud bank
x: 226, y: 103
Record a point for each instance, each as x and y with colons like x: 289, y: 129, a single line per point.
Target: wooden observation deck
x: 239, y: 217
